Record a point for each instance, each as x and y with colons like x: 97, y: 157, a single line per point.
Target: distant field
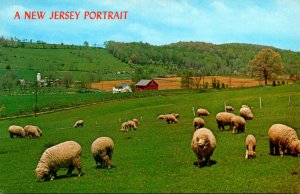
x: 157, y: 158
x: 174, y: 82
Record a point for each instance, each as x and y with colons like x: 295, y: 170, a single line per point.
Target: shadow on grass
x: 67, y: 176
x: 101, y: 167
x: 203, y: 164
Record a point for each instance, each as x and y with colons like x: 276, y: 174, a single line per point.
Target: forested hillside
x: 210, y: 59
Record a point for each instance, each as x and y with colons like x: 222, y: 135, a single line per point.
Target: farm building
x: 121, y: 88
x: 146, y: 85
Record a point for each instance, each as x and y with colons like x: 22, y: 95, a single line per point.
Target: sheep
x: 131, y: 125
x: 64, y: 155
x: 246, y: 113
x: 170, y: 118
x: 198, y: 123
x: 250, y: 146
x: 283, y: 138
x: 229, y: 108
x: 223, y: 119
x: 78, y: 123
x: 124, y: 127
x: 15, y: 130
x: 33, y: 131
x: 102, y: 149
x: 238, y: 124
x: 203, y: 144
x: 161, y: 116
x: 202, y: 112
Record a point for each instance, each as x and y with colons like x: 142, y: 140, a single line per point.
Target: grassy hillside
x: 83, y: 63
x: 158, y: 157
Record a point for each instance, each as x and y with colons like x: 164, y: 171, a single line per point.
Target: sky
x: 159, y: 22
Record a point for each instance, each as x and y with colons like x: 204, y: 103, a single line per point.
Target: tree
x: 187, y: 79
x: 8, y: 80
x: 85, y: 43
x: 266, y: 63
x: 67, y: 79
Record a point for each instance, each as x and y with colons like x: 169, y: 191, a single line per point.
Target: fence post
x: 260, y: 104
x: 289, y: 101
x: 225, y: 106
x: 194, y: 111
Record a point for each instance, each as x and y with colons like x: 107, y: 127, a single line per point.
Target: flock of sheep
x: 68, y: 154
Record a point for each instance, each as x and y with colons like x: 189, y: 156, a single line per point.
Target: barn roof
x: 144, y: 82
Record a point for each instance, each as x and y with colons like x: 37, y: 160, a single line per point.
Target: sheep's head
x: 202, y: 141
x: 296, y: 150
x: 251, y: 154
x: 42, y: 173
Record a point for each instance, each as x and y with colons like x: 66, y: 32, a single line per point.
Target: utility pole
x: 36, y: 90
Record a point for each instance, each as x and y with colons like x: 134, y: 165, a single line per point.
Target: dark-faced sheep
x: 202, y: 112
x: 246, y: 113
x: 203, y: 144
x: 238, y: 124
x: 283, y: 138
x: 78, y: 123
x: 223, y: 119
x: 198, y: 123
x: 17, y: 131
x: 63, y: 155
x: 33, y: 131
x: 102, y: 150
x: 250, y: 146
x: 170, y: 118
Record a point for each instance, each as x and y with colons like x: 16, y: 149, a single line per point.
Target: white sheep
x: 238, y: 124
x: 124, y: 127
x: 203, y: 144
x: 229, y: 108
x: 78, y: 123
x: 170, y: 118
x: 15, y: 130
x: 202, y: 112
x: 198, y: 123
x: 102, y: 150
x: 223, y: 119
x: 33, y: 131
x: 283, y: 138
x: 246, y: 113
x: 63, y: 155
x: 250, y: 146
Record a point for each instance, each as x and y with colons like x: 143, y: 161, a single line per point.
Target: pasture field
x: 158, y: 156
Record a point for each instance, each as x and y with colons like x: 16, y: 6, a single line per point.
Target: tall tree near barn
x: 266, y: 63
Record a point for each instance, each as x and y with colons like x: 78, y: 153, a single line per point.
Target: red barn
x: 146, y: 85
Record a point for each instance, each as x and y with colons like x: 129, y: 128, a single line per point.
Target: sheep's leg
x: 246, y: 156
x: 70, y: 169
x: 53, y: 175
x: 271, y: 145
x: 77, y: 164
x: 207, y: 160
x: 281, y: 150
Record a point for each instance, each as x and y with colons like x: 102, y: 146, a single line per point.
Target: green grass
x: 158, y: 157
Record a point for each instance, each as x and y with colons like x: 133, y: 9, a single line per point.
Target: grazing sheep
x: 223, y: 119
x: 136, y: 121
x: 78, y: 123
x: 229, y: 108
x: 176, y: 115
x: 250, y: 146
x: 203, y: 144
x: 161, y: 116
x: 246, y: 113
x: 198, y: 123
x: 202, y: 112
x: 238, y: 124
x: 131, y: 125
x: 124, y: 127
x: 63, y: 155
x: 33, y: 131
x: 245, y: 106
x: 102, y: 150
x: 15, y: 130
x: 170, y: 118
x: 283, y: 138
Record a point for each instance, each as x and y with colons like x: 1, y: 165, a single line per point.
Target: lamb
x: 203, y: 144
x: 229, y: 108
x: 136, y: 121
x: 198, y: 123
x: 238, y: 124
x: 161, y: 116
x: 246, y: 113
x: 250, y: 146
x: 15, y: 130
x: 64, y: 155
x: 102, y: 150
x: 33, y: 131
x: 283, y: 138
x: 202, y: 112
x: 223, y: 119
x: 124, y: 127
x: 170, y: 118
x: 78, y: 123
x: 131, y: 125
